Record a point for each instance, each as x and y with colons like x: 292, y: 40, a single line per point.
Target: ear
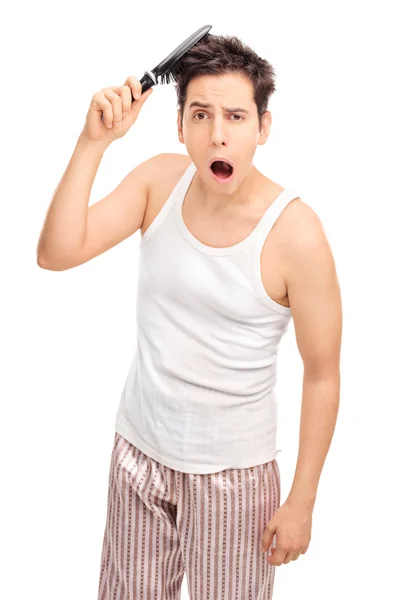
x: 265, y: 127
x: 180, y: 131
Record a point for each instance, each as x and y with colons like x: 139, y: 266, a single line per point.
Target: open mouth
x: 221, y: 169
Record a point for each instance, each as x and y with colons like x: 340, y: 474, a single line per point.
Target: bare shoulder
x: 301, y: 235
x: 166, y: 170
x: 299, y: 224
x: 164, y: 161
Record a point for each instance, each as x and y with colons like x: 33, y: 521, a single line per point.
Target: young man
x: 228, y: 258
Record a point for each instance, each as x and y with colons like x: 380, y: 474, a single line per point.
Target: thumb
x: 267, y: 537
x: 145, y: 95
x: 137, y: 103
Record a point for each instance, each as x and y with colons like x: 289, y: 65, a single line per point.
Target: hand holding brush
x: 114, y: 110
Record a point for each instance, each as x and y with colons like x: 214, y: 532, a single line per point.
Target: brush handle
x: 147, y: 81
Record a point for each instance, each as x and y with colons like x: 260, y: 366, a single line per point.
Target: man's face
x: 214, y: 131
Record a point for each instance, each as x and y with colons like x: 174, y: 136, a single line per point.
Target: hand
x: 111, y: 106
x: 292, y: 525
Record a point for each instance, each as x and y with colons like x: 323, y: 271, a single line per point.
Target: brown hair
x: 218, y: 55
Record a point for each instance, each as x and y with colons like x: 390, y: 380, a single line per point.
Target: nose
x: 218, y: 135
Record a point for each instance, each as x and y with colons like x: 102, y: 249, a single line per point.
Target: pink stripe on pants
x: 162, y: 523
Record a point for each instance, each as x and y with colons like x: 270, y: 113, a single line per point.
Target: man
x: 228, y: 257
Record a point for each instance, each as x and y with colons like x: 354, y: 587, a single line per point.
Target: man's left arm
x: 315, y: 301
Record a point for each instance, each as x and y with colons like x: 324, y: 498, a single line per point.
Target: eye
x: 233, y: 115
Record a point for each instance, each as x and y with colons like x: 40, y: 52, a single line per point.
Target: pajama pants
x: 163, y: 524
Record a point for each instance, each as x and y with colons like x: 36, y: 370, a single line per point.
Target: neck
x: 240, y: 195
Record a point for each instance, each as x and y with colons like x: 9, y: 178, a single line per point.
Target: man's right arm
x: 74, y: 233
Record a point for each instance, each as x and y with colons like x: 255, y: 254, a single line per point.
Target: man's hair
x: 219, y: 55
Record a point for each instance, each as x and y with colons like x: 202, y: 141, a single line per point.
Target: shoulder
x: 301, y: 226
x: 165, y: 166
x: 163, y: 173
x: 303, y: 238
x: 171, y: 158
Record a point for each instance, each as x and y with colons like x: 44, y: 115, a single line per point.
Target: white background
x: 67, y: 338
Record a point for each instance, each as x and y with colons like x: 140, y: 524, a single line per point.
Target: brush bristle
x: 170, y: 76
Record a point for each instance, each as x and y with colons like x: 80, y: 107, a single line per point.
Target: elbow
x: 44, y: 264
x: 40, y: 261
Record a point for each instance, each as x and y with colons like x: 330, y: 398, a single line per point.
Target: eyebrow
x: 229, y: 110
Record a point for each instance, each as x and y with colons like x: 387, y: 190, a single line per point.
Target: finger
x: 135, y: 85
x: 124, y: 92
x: 273, y: 552
x: 142, y: 97
x: 289, y: 557
x: 278, y: 557
x: 266, y: 542
x: 126, y: 97
x: 116, y: 104
x: 101, y: 102
x: 296, y: 556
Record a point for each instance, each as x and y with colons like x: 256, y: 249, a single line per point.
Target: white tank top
x: 199, y: 396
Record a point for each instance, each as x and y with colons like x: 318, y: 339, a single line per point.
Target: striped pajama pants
x: 163, y: 524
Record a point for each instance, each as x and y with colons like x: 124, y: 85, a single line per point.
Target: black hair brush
x: 166, y: 69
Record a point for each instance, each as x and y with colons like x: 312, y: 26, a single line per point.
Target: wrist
x: 99, y: 146
x: 306, y: 499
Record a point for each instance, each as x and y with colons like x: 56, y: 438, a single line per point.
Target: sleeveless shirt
x: 199, y: 395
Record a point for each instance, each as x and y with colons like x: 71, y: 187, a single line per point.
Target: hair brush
x: 166, y: 70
